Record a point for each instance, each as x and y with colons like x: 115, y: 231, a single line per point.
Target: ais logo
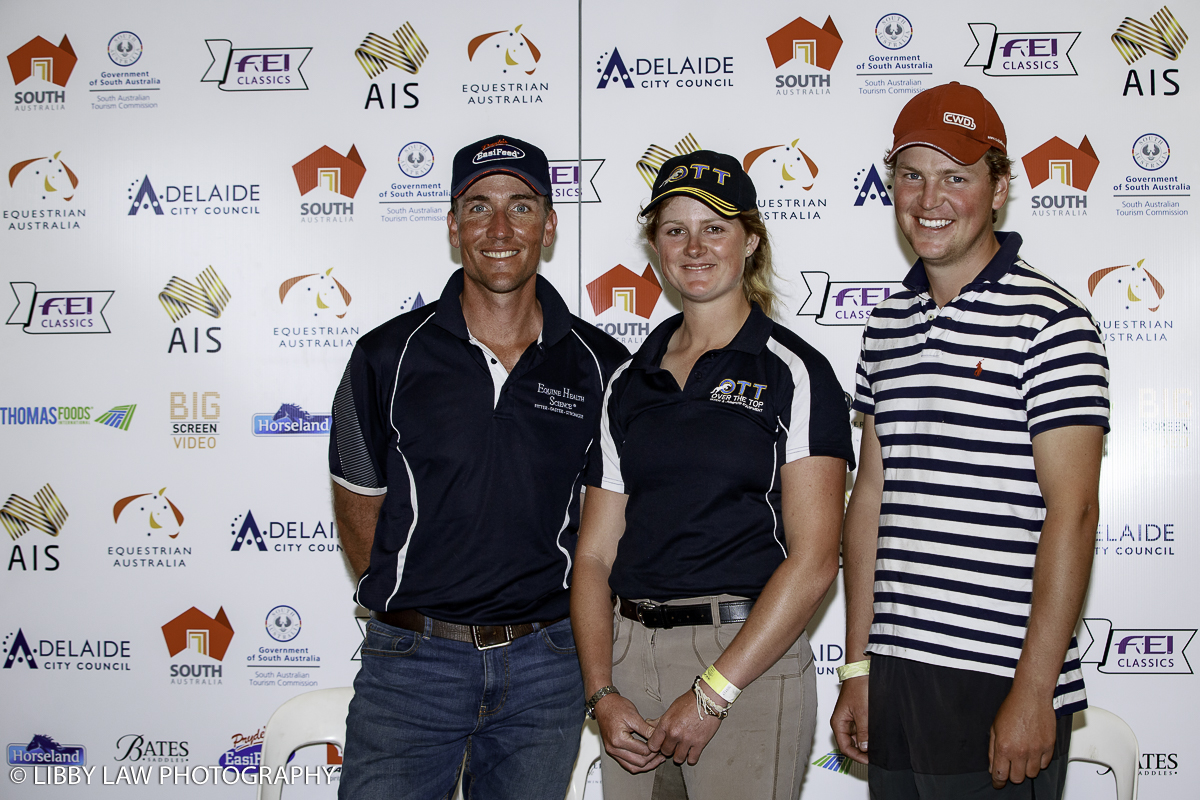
x: 207, y: 295
x: 44, y: 513
x: 655, y: 156
x: 1164, y: 36
x: 403, y: 51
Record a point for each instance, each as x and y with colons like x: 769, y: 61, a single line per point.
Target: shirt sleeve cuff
x: 363, y: 490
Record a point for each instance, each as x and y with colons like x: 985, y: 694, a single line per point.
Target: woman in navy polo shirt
x: 714, y: 515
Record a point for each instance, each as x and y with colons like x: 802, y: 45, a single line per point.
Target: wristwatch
x: 600, y: 693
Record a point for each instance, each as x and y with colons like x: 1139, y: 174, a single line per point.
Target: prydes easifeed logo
x: 331, y: 174
x: 843, y: 302
x: 663, y: 72
x: 194, y: 633
x: 47, y: 184
x: 263, y: 69
x: 404, y: 52
x: 655, y: 156
x: 285, y: 536
x: 508, y: 52
x: 207, y: 295
x: 1132, y: 651
x: 314, y: 303
x: 779, y: 170
x: 191, y: 200
x: 1127, y: 301
x: 58, y: 312
x: 42, y: 62
x: 291, y: 420
x: 43, y: 749
x: 1164, y: 36
x: 801, y: 43
x: 1021, y: 54
x: 246, y: 754
x: 869, y: 186
x: 1060, y: 164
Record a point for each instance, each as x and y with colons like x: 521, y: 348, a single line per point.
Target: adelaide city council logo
x: 519, y: 52
x: 283, y: 623
x: 124, y: 49
x: 852, y: 301
x: 45, y: 513
x: 246, y: 532
x: 655, y: 156
x: 42, y: 749
x: 1164, y: 36
x: 262, y: 69
x: 155, y: 507
x: 192, y: 197
x: 613, y: 71
x: 327, y: 169
x: 1151, y: 152
x: 869, y: 186
x: 1021, y: 54
x: 291, y: 420
x: 1129, y: 651
x: 58, y: 312
x: 415, y: 159
x: 37, y: 58
x: 893, y: 31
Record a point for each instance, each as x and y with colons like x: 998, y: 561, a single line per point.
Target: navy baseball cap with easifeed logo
x: 713, y: 178
x: 504, y: 155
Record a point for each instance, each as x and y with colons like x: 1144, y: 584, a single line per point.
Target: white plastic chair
x: 319, y: 717
x: 1104, y: 738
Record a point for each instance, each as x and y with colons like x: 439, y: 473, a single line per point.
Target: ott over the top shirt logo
x: 739, y: 393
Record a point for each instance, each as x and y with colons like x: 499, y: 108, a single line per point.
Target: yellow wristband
x: 717, y: 682
x: 848, y: 671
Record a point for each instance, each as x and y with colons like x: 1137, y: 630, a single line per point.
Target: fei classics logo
x: 261, y: 69
x: 1021, y: 54
x: 58, y: 312
x: 1129, y: 651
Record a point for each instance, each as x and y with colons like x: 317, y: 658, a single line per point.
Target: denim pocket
x: 559, y: 638
x: 389, y: 642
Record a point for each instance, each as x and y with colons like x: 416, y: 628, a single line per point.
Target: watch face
x: 283, y: 623
x: 415, y: 159
x: 124, y: 49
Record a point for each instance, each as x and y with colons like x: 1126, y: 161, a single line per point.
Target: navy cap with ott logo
x: 715, y: 179
x: 503, y: 155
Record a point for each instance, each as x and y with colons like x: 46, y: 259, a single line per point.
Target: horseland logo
x: 1133, y: 651
x: 677, y: 71
x: 1128, y: 301
x: 80, y: 655
x: 44, y: 513
x: 499, y: 150
x: 47, y: 185
x: 209, y: 200
x: 153, y: 516
x: 132, y: 84
x: 328, y: 177
x: 780, y: 170
x: 264, y: 69
x: 843, y: 302
x: 404, y: 52
x: 195, y: 634
x: 510, y: 53
x: 798, y: 44
x: 291, y: 420
x: 283, y: 536
x: 1164, y: 37
x: 208, y: 296
x: 574, y: 181
x: 42, y: 749
x: 195, y: 418
x: 1060, y: 164
x: 58, y: 312
x: 46, y: 67
x: 1021, y: 54
x: 961, y: 120
x: 868, y: 185
x: 314, y: 304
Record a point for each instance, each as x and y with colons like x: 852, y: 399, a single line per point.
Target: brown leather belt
x: 662, y: 615
x: 484, y: 637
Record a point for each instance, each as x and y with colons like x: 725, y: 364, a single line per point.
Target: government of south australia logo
x: 58, y: 312
x: 893, y: 31
x: 283, y: 623
x: 42, y: 749
x: 259, y: 69
x: 1151, y: 152
x: 124, y: 49
x: 1021, y: 54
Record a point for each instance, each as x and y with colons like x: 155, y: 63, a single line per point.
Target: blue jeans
x: 422, y: 703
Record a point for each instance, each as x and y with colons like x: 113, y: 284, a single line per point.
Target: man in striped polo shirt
x: 969, y: 536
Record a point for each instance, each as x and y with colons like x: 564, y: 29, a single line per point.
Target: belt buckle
x: 481, y: 646
x: 645, y: 609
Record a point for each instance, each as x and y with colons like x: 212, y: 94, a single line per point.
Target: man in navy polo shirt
x: 460, y: 434
x: 969, y: 536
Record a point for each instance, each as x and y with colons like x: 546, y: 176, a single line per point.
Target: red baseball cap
x: 954, y: 119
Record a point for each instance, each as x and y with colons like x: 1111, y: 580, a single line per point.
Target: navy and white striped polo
x: 701, y: 465
x: 481, y: 469
x: 958, y: 393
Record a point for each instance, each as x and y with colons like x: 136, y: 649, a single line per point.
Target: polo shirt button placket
x: 926, y: 350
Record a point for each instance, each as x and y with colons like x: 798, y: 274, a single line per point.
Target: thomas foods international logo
x: 263, y: 69
x: 1021, y: 54
x: 1132, y: 651
x: 58, y: 312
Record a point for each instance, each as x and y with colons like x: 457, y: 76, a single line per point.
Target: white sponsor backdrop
x: 90, y: 602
